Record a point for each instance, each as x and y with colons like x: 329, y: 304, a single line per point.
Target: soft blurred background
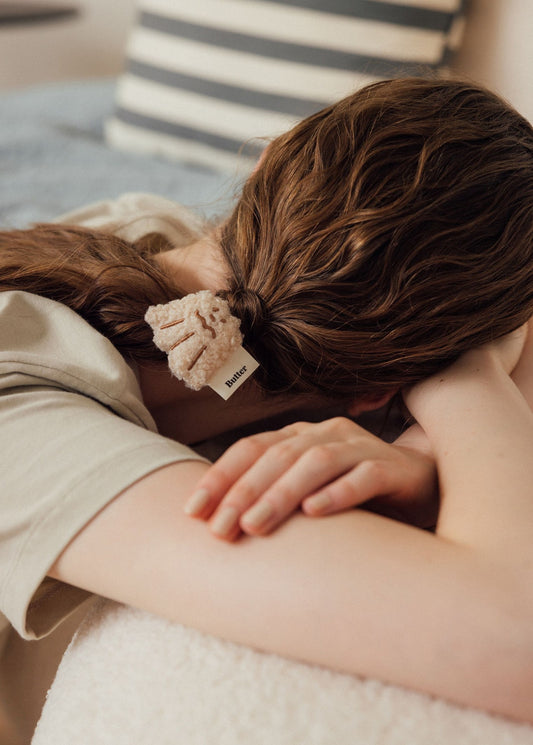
x: 497, y: 48
x: 202, y: 84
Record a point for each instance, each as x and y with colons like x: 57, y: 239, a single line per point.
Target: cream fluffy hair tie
x: 199, y: 335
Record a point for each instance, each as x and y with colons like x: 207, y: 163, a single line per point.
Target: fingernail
x: 258, y: 515
x: 319, y: 503
x: 224, y: 521
x: 197, y: 502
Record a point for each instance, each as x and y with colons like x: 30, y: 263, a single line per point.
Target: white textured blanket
x: 130, y: 678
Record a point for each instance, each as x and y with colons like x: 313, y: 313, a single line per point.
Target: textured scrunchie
x: 199, y: 335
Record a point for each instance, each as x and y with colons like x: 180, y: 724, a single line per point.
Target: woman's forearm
x: 481, y: 431
x: 449, y: 614
x: 355, y: 592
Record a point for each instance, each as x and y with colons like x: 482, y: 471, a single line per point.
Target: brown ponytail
x: 251, y: 310
x: 385, y: 235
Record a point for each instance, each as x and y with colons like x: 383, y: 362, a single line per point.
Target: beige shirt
x: 74, y: 431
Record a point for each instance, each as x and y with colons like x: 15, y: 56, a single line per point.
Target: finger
x: 315, y: 467
x: 250, y: 488
x: 226, y: 471
x: 231, y: 466
x: 369, y: 479
x: 243, y: 454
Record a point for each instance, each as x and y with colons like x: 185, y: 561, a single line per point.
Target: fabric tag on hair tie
x: 232, y: 374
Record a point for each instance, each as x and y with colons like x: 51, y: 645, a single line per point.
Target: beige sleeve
x: 64, y: 457
x: 74, y: 433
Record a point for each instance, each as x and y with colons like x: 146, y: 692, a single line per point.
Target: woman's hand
x: 324, y: 468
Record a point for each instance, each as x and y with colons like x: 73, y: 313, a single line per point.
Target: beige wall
x: 498, y: 48
x: 89, y: 45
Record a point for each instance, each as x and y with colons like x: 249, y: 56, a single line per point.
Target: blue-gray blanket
x: 53, y: 158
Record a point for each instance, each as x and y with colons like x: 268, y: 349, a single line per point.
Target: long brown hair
x: 383, y: 236
x: 376, y: 240
x: 108, y: 281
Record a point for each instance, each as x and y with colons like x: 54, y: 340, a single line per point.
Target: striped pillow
x: 206, y: 77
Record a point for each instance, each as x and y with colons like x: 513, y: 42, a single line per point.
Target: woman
x: 375, y: 243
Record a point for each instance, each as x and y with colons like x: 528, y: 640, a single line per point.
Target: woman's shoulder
x: 43, y: 342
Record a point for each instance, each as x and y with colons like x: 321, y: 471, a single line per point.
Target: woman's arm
x: 449, y: 614
x: 479, y: 426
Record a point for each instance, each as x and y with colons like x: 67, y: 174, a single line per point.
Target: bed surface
x: 53, y: 158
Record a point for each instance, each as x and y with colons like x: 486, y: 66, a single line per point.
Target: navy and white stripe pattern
x: 206, y: 77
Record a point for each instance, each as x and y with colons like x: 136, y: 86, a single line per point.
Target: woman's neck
x: 198, y: 266
x: 192, y: 416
